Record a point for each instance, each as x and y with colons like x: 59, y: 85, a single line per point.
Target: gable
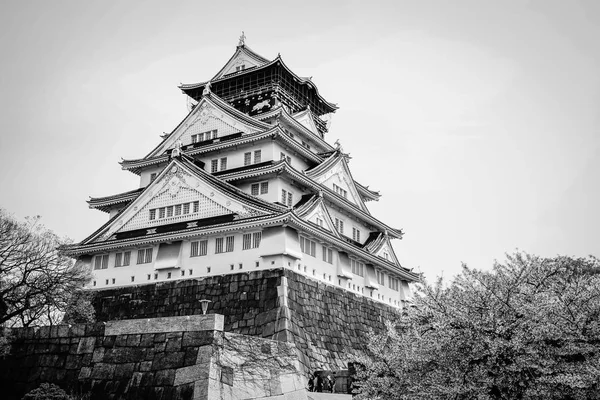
x: 174, y: 188
x: 338, y: 178
x: 204, y: 120
x: 387, y: 253
x: 242, y: 59
x: 319, y: 215
x: 307, y: 121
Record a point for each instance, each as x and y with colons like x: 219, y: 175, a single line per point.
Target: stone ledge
x: 210, y: 322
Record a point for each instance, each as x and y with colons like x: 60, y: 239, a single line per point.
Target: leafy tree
x: 527, y: 329
x: 36, y: 279
x: 47, y: 391
x: 80, y: 309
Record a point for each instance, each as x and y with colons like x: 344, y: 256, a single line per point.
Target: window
x: 240, y: 68
x: 122, y: 259
x: 178, y: 209
x: 144, y: 256
x: 229, y: 242
x: 305, y: 144
x: 168, y: 275
x: 196, y: 206
x: 161, y: 212
x: 386, y: 255
x: 380, y: 277
x: 254, y: 189
x: 214, y: 165
x: 186, y: 208
x: 247, y: 158
x: 393, y: 283
x: 219, y: 245
x: 355, y: 234
x: 327, y: 255
x: 340, y: 191
x: 169, y: 211
x: 196, y: 138
x: 101, y: 261
x: 308, y: 246
x: 286, y: 198
x: 223, y: 163
x: 319, y: 222
x: 133, y: 279
x: 257, y: 156
x: 251, y: 240
x: 358, y: 268
x: 152, y: 177
x: 231, y: 267
x: 264, y: 187
x: 199, y: 248
x: 153, y: 214
x: 339, y: 225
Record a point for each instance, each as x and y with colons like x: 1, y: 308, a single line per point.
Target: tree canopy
x: 36, y: 279
x: 527, y: 329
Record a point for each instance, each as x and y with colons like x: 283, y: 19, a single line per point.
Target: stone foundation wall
x: 328, y: 324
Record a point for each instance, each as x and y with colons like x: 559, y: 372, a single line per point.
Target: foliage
x: 527, y: 329
x: 80, y: 309
x: 36, y: 279
x: 47, y: 391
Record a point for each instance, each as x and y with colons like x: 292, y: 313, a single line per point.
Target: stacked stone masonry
x: 328, y: 324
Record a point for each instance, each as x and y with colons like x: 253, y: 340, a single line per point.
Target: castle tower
x: 246, y: 182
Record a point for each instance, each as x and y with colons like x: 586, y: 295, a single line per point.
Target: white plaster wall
x: 146, y: 173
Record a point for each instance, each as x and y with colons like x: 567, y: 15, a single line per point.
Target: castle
x: 246, y: 182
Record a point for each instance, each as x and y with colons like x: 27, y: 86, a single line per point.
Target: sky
x: 477, y: 120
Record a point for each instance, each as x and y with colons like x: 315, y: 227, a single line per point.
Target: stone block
x: 166, y: 324
x: 147, y: 340
x: 121, y: 341
x: 109, y: 341
x: 164, y: 377
x: 103, y: 371
x: 85, y: 373
x: 124, y: 370
x: 191, y: 353
x: 98, y: 354
x: 120, y: 355
x: 168, y: 360
x: 86, y: 345
x: 77, y: 330
x: 73, y: 362
x: 198, y: 338
x: 191, y: 374
x: 134, y: 340
x: 145, y: 366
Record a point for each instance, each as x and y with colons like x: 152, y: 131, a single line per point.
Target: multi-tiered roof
x: 250, y: 156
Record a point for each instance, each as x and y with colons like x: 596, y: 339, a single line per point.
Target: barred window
x: 101, y: 261
x: 118, y: 259
x: 357, y: 267
x: 219, y: 245
x: 327, y: 255
x: 289, y: 199
x: 264, y: 187
x: 340, y: 191
x: 247, y: 241
x: 283, y: 196
x: 393, y: 283
x: 257, y: 156
x: 254, y: 189
x: 223, y: 163
x: 339, y: 225
x: 319, y: 222
x: 247, y: 158
x: 196, y: 206
x: 169, y: 211
x: 229, y: 242
x: 186, y: 208
x: 214, y: 165
x: 178, y: 209
x: 355, y: 234
x: 126, y: 258
x: 144, y: 256
x: 161, y: 212
x: 152, y: 214
x: 199, y: 248
x: 308, y: 246
x: 256, y: 238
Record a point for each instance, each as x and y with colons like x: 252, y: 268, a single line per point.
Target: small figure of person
x: 311, y: 382
x: 319, y: 385
x: 331, y: 382
x: 325, y: 384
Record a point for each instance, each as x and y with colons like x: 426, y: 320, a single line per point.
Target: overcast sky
x: 477, y: 120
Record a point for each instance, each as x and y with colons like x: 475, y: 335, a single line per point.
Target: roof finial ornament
x: 176, y: 152
x: 338, y: 146
x: 242, y: 41
x: 206, y: 89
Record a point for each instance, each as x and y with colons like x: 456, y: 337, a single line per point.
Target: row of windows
x: 327, y: 255
x: 175, y: 210
x: 197, y: 248
x: 248, y: 157
x: 340, y: 191
x: 262, y: 187
x: 200, y: 137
